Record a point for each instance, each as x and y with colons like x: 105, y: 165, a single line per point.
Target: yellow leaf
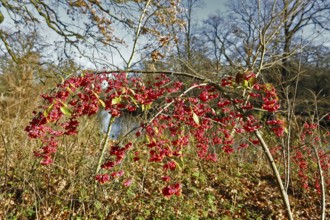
x: 132, y: 91
x: 116, y: 100
x: 177, y: 164
x: 156, y: 130
x: 195, y: 117
x: 102, y: 103
x: 70, y: 91
x: 97, y: 96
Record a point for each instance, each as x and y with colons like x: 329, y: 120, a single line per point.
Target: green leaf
x: 195, y: 117
x: 65, y: 110
x: 252, y: 81
x: 48, y: 110
x: 97, y: 204
x: 246, y: 84
x: 116, y: 100
x: 1, y: 17
x: 146, y: 107
x: 195, y: 174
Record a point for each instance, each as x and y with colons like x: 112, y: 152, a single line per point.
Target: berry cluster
x: 212, y: 117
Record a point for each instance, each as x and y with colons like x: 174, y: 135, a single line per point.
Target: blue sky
x: 211, y: 6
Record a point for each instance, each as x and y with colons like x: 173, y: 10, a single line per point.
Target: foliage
x: 206, y: 118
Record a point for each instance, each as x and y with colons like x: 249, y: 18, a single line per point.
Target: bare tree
x: 259, y: 34
x: 94, y: 29
x: 246, y: 36
x: 298, y: 14
x: 217, y: 35
x: 189, y: 32
x: 190, y: 50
